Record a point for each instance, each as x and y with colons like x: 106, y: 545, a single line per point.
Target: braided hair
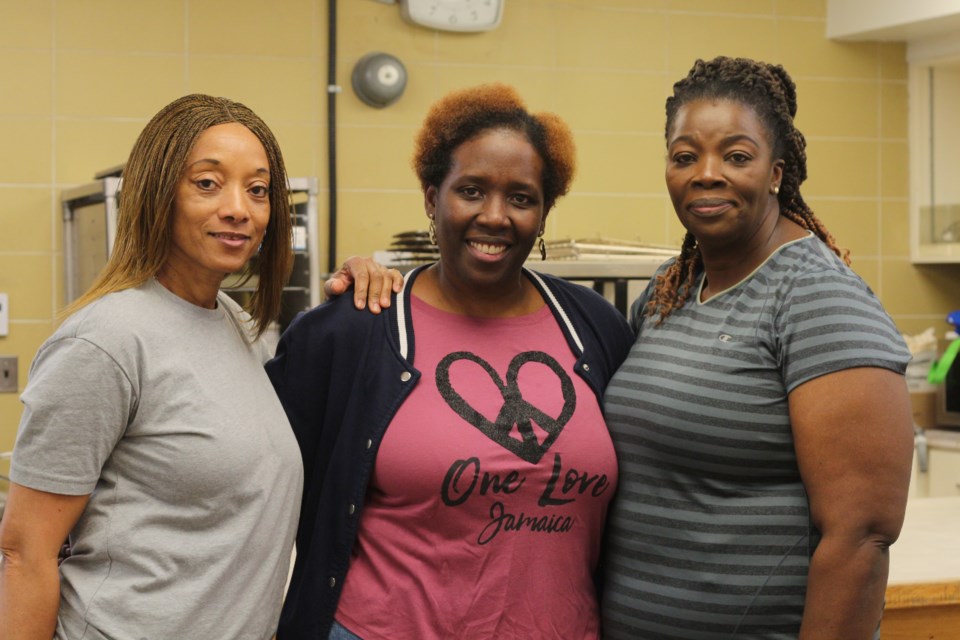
x: 771, y: 93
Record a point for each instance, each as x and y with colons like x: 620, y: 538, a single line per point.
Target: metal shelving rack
x: 89, y: 230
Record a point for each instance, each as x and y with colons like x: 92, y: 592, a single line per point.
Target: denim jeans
x: 340, y: 632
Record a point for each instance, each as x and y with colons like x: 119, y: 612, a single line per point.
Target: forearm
x: 29, y: 598
x: 845, y: 589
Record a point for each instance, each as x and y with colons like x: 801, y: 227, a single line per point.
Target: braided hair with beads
x: 771, y: 93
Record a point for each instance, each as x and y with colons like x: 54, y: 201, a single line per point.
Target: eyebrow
x: 217, y: 162
x: 513, y: 184
x: 737, y: 137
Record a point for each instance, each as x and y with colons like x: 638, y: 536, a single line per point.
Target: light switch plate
x: 8, y: 374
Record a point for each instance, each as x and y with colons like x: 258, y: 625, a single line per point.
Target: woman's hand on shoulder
x: 372, y: 283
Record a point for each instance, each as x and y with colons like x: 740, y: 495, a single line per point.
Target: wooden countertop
x: 925, y: 560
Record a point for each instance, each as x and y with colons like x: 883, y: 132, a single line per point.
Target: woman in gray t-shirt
x: 150, y: 432
x: 761, y: 419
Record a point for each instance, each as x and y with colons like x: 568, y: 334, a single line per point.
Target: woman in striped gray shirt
x: 761, y: 420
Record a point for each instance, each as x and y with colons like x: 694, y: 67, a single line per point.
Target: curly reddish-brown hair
x: 461, y: 115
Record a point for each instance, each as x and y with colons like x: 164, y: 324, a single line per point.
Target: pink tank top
x: 486, y: 507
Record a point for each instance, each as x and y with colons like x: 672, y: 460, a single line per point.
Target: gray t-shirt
x: 710, y: 533
x: 162, y: 411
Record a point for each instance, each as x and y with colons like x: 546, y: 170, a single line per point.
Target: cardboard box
x: 923, y: 406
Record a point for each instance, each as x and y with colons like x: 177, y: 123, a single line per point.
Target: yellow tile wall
x: 80, y: 78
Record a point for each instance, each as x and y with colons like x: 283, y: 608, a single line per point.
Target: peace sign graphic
x: 515, y: 410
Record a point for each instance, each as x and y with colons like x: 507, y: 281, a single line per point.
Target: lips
x: 709, y: 206
x: 487, y: 248
x: 231, y: 239
x: 229, y: 235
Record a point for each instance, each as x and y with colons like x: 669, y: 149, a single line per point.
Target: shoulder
x: 100, y: 335
x: 331, y: 331
x: 809, y: 258
x: 669, y: 262
x: 808, y: 271
x: 336, y: 316
x: 638, y: 313
x: 326, y: 347
x: 105, y: 318
x: 828, y: 317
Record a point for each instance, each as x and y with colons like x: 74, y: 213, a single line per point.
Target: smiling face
x: 721, y: 175
x: 221, y: 210
x: 488, y: 212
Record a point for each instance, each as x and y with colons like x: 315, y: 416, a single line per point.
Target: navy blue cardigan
x: 341, y: 375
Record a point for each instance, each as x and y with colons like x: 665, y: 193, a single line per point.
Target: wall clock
x: 453, y: 15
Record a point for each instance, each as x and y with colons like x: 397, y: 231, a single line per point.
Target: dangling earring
x: 433, y: 233
x: 542, y: 245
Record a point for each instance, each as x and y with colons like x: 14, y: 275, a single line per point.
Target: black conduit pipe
x: 332, y: 90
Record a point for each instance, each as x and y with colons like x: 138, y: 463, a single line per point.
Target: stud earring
x: 775, y: 189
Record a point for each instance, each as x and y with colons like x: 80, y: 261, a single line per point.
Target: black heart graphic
x: 515, y: 410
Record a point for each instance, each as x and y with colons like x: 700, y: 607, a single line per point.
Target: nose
x: 709, y: 172
x: 233, y: 206
x: 493, y: 212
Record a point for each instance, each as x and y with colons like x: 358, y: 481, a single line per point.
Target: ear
x: 430, y: 201
x: 776, y: 174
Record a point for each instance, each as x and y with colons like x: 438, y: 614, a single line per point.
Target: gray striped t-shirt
x: 709, y: 535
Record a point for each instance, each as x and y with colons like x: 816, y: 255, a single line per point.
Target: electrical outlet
x: 8, y: 374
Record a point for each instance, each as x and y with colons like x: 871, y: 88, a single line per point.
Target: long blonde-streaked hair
x: 146, y: 203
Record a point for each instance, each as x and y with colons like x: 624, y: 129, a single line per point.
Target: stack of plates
x: 603, y: 249
x: 413, y: 247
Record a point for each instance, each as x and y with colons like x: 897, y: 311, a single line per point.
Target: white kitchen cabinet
x: 944, y: 473
x: 891, y: 19
x: 940, y: 477
x: 931, y: 31
x: 89, y: 229
x: 934, y: 157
